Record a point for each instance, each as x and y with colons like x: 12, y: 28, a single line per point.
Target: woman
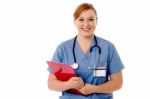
x: 98, y: 65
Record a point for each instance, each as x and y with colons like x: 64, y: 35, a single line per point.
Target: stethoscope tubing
x: 96, y: 45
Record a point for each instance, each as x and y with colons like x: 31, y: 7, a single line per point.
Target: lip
x: 86, y: 29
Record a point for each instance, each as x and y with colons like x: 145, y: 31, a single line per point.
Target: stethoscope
x: 75, y: 65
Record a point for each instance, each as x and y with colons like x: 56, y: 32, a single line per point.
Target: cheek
x: 93, y: 25
x: 78, y: 25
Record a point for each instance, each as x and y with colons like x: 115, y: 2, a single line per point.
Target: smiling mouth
x: 86, y: 29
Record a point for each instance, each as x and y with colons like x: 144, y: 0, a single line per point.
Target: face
x: 86, y: 23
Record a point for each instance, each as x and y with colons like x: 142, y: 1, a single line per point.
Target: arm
x: 57, y: 85
x: 115, y: 83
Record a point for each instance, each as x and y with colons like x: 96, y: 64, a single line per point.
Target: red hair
x: 81, y: 8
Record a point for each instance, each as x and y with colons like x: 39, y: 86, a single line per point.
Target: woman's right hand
x: 75, y: 82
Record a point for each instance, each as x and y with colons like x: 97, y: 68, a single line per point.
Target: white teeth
x: 86, y: 29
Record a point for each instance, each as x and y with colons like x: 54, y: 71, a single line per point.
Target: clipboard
x: 63, y: 72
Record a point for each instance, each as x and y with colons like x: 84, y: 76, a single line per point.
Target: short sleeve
x: 57, y: 56
x: 114, y: 62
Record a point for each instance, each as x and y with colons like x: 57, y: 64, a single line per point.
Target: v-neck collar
x: 79, y: 51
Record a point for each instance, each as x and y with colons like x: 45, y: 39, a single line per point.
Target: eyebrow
x: 88, y: 17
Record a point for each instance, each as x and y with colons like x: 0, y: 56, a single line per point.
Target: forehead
x: 88, y: 13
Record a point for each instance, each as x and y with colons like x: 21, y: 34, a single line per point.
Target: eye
x: 91, y: 19
x: 81, y: 20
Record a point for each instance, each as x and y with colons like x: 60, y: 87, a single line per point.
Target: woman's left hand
x: 88, y: 89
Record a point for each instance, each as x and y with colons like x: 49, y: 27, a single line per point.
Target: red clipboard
x: 63, y: 72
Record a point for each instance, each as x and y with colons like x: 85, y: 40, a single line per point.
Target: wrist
x: 67, y: 85
x: 95, y: 89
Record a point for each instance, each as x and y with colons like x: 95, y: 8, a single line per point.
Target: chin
x: 87, y: 35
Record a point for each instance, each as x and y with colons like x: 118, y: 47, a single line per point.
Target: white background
x: 30, y: 30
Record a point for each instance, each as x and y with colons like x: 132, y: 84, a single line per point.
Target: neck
x: 84, y: 39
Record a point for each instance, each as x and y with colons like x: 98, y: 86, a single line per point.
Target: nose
x: 85, y: 23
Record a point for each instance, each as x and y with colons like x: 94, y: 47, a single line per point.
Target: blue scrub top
x: 108, y: 58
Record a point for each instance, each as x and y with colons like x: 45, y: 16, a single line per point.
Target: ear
x: 96, y: 20
x: 74, y: 22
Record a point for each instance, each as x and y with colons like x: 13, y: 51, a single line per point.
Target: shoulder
x: 66, y: 43
x: 103, y: 41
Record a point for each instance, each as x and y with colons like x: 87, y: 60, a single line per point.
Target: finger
x: 82, y: 81
x: 74, y: 78
x: 81, y: 84
x: 80, y: 78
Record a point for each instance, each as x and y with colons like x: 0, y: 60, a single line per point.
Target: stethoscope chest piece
x: 75, y: 66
